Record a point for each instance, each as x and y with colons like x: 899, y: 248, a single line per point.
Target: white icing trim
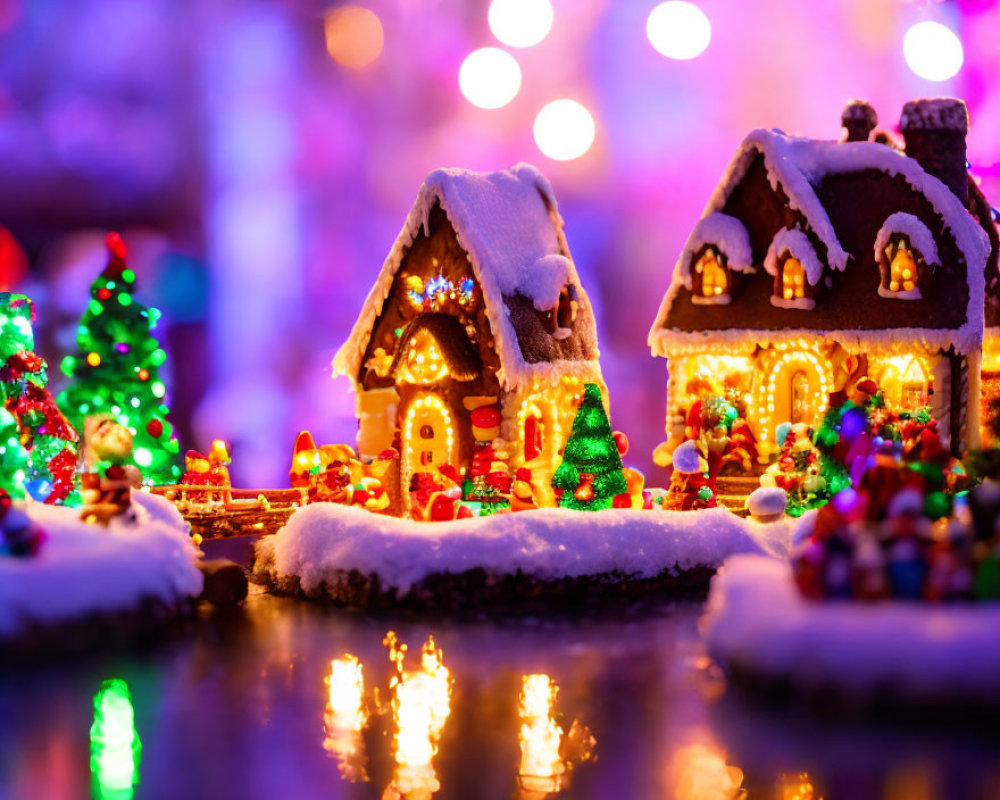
x: 670, y: 343
x: 905, y: 294
x: 714, y: 300
x: 920, y: 236
x: 804, y: 303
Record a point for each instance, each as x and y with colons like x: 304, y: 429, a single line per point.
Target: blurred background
x: 260, y: 157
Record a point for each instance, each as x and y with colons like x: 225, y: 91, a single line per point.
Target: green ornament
x: 937, y: 505
x: 705, y: 493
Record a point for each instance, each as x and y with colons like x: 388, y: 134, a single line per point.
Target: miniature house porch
x: 773, y: 383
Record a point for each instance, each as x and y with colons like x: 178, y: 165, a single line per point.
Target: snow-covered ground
x: 756, y: 622
x: 85, y: 569
x: 324, y: 540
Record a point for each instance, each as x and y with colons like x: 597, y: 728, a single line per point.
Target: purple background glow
x: 260, y: 184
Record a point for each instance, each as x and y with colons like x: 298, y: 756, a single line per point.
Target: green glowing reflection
x: 114, y: 743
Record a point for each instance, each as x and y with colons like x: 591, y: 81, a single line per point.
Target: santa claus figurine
x: 689, y: 486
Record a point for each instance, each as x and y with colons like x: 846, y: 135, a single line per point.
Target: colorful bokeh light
x: 354, y: 36
x: 933, y: 51
x: 489, y: 77
x: 520, y: 23
x: 564, y: 130
x: 678, y: 29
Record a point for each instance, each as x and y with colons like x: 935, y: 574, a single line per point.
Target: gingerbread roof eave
x: 797, y: 165
x: 508, y: 223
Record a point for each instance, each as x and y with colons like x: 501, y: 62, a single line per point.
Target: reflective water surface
x: 290, y: 700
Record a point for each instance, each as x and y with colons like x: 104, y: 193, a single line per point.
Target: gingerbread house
x: 475, y: 343
x: 817, y: 263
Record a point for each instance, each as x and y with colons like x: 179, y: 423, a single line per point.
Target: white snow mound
x: 323, y: 539
x: 757, y: 620
x: 84, y: 569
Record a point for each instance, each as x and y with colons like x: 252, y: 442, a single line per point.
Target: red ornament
x: 103, y: 294
x: 621, y: 442
x: 154, y: 428
x: 116, y: 245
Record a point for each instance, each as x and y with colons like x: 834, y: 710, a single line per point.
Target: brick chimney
x: 934, y: 131
x: 859, y: 120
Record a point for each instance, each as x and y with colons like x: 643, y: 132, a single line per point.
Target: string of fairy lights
x: 564, y: 129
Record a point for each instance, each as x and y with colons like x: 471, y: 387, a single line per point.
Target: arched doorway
x: 797, y: 390
x: 428, y: 436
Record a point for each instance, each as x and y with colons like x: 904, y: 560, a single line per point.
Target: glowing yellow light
x: 541, y: 767
x: 701, y: 771
x: 793, y: 279
x: 431, y: 411
x: 713, y: 276
x: 421, y: 705
x: 93, y: 359
x: 933, y: 51
x: 345, y: 716
x: 564, y: 129
x: 354, y: 36
x: 678, y: 29
x: 520, y: 23
x: 796, y: 786
x: 489, y: 77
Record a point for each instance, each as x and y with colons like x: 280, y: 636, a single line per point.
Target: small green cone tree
x: 590, y: 475
x: 116, y: 371
x: 38, y: 446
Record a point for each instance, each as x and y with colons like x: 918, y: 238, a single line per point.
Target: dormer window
x: 713, y: 275
x: 717, y: 253
x: 792, y: 261
x: 905, y: 252
x: 793, y: 279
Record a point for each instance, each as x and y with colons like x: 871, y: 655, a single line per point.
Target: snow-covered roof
x: 727, y: 234
x: 798, y: 166
x: 921, y: 239
x: 797, y: 245
x: 509, y: 225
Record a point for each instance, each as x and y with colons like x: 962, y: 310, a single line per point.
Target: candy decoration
x: 116, y: 371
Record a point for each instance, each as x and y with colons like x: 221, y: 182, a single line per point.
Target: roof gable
x: 508, y: 223
x: 803, y: 174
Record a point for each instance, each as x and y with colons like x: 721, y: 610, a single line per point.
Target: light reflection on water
x: 236, y: 710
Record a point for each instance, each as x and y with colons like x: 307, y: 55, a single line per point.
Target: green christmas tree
x: 590, y: 475
x: 38, y: 446
x: 116, y: 372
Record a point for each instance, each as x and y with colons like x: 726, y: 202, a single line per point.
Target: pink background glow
x: 261, y: 185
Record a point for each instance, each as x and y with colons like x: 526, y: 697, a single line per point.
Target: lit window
x: 793, y: 279
x: 902, y: 269
x: 713, y: 274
